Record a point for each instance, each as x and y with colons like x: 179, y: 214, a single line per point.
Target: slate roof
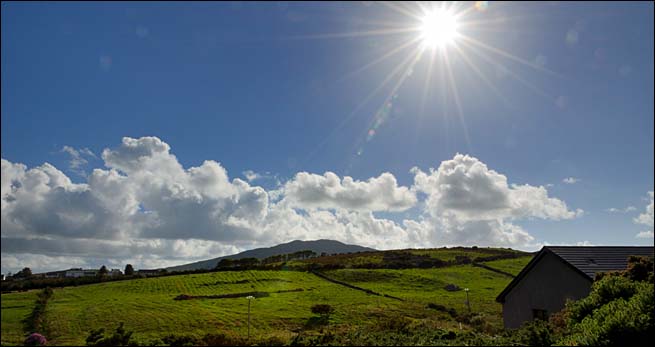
x: 590, y: 260
x: 586, y: 260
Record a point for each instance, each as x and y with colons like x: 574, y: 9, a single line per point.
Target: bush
x: 619, y: 310
x: 120, y: 337
x: 535, y: 333
x: 35, y: 339
x: 322, y: 309
x: 180, y: 340
x: 223, y: 340
x: 451, y: 311
x: 34, y: 322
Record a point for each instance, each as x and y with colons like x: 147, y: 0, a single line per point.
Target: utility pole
x: 249, y: 297
x: 468, y: 303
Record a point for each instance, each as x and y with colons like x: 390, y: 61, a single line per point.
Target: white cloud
x: 465, y: 188
x: 571, y: 180
x: 327, y: 191
x: 467, y: 203
x: 147, y: 209
x: 646, y: 218
x: 621, y: 210
x: 251, y: 175
x: 77, y: 159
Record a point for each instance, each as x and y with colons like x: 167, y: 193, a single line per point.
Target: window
x: 539, y: 314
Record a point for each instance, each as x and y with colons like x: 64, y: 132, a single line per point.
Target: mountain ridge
x: 317, y: 246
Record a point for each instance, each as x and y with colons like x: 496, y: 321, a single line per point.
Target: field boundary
x: 493, y: 269
x: 367, y: 291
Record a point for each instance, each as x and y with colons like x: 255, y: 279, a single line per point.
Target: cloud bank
x: 145, y: 208
x: 646, y: 219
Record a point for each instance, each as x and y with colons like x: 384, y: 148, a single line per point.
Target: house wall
x: 546, y: 286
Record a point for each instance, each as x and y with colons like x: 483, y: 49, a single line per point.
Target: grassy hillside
x: 513, y: 266
x: 148, y: 308
x: 424, y: 286
x: 15, y: 307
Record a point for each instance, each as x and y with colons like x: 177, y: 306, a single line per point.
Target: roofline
x: 544, y: 250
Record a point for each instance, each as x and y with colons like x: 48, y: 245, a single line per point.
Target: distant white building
x: 115, y: 272
x: 80, y: 273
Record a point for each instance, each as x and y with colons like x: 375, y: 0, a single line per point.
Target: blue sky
x: 560, y: 91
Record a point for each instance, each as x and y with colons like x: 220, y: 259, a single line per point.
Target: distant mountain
x: 318, y: 246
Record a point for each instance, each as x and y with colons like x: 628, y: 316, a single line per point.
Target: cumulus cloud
x: 467, y: 189
x: 646, y: 218
x: 468, y: 203
x: 145, y: 208
x: 327, y: 191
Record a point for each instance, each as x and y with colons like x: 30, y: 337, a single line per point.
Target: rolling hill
x: 317, y: 246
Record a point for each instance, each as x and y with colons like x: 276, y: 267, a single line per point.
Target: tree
x: 225, y: 263
x: 129, y: 270
x: 24, y: 273
x: 103, y: 271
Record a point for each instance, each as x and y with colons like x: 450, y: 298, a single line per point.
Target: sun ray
x: 381, y: 58
x: 414, y: 58
x: 341, y: 124
x: 401, y: 10
x: 511, y: 74
x: 378, y: 32
x: 437, y: 31
x: 482, y: 76
x: 458, y: 104
x: 508, y: 55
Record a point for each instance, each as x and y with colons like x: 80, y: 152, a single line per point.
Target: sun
x: 439, y: 28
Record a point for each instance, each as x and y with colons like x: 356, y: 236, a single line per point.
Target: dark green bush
x: 322, y: 309
x: 120, y: 337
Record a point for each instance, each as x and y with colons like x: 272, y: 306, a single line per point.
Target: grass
x: 15, y: 307
x: 147, y: 308
x: 513, y: 266
x: 423, y: 286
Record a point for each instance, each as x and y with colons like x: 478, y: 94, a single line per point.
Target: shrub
x: 222, y: 339
x: 451, y: 311
x: 120, y: 337
x: 180, y: 340
x: 322, y: 309
x: 34, y: 322
x: 35, y: 339
x: 619, y: 310
x: 535, y: 333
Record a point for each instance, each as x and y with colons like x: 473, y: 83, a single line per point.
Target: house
x: 78, y: 272
x: 146, y: 272
x: 557, y: 274
x: 55, y: 274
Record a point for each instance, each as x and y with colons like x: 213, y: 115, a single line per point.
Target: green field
x: 423, y: 286
x: 15, y: 307
x: 147, y: 306
x: 513, y: 266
